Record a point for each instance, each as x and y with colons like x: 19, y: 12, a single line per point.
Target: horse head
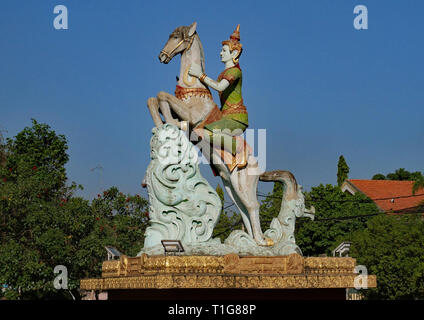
x: 179, y: 40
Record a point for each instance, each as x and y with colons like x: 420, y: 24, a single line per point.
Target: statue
x: 234, y: 118
x: 183, y: 206
x: 197, y: 113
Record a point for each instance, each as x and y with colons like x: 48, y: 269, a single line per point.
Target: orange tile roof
x: 383, y: 191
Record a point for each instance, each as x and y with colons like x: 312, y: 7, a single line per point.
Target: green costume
x: 234, y: 114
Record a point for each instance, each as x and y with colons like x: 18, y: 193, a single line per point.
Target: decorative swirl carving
x: 183, y: 206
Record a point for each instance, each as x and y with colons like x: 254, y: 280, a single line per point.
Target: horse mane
x: 202, y: 53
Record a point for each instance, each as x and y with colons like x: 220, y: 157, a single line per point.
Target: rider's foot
x: 242, y: 159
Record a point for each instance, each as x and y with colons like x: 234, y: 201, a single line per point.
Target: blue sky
x: 320, y: 87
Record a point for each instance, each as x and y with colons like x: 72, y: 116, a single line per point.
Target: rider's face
x: 225, y: 54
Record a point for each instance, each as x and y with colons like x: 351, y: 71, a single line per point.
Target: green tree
x: 271, y: 205
x: 404, y: 175
x: 42, y: 224
x: 33, y: 235
x: 419, y: 183
x: 2, y: 150
x: 338, y: 215
x: 122, y: 219
x: 379, y: 176
x: 342, y: 171
x: 392, y: 248
x: 38, y: 149
x: 400, y: 175
x: 220, y: 193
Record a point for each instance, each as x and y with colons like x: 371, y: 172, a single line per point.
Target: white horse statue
x: 192, y: 104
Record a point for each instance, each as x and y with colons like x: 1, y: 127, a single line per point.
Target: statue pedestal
x: 230, y: 276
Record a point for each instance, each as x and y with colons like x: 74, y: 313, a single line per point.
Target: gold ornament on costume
x: 234, y: 43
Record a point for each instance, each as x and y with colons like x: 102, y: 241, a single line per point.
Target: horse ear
x: 192, y: 29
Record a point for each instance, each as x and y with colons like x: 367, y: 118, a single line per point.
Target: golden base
x: 230, y: 271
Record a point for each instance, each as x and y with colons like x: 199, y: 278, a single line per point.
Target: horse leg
x: 152, y: 104
x: 240, y: 207
x: 166, y: 111
x: 245, y: 186
x: 167, y: 101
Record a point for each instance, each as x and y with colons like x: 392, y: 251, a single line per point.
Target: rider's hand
x: 195, y: 70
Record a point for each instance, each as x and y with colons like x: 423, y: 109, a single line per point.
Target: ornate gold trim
x: 182, y: 93
x: 234, y: 109
x: 162, y: 281
x: 229, y: 271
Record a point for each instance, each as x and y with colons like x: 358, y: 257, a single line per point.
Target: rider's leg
x: 224, y: 132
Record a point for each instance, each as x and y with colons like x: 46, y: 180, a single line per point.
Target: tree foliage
x: 271, y: 205
x: 400, y: 174
x: 379, y: 176
x: 392, y: 248
x: 40, y: 149
x: 404, y: 175
x: 419, y: 183
x: 42, y: 223
x: 342, y: 171
x: 338, y: 215
x: 3, y: 154
x: 122, y: 219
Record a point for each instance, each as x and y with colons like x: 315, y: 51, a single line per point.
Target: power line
x: 367, y: 215
x: 228, y: 206
x: 324, y: 219
x: 347, y: 200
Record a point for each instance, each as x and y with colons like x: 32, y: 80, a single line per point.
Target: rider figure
x: 234, y: 119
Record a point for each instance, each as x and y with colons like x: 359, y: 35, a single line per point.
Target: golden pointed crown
x: 234, y: 42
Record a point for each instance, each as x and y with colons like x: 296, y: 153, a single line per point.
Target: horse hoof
x: 183, y: 125
x: 269, y: 242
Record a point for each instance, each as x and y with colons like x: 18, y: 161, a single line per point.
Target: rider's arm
x: 196, y: 71
x: 218, y: 86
